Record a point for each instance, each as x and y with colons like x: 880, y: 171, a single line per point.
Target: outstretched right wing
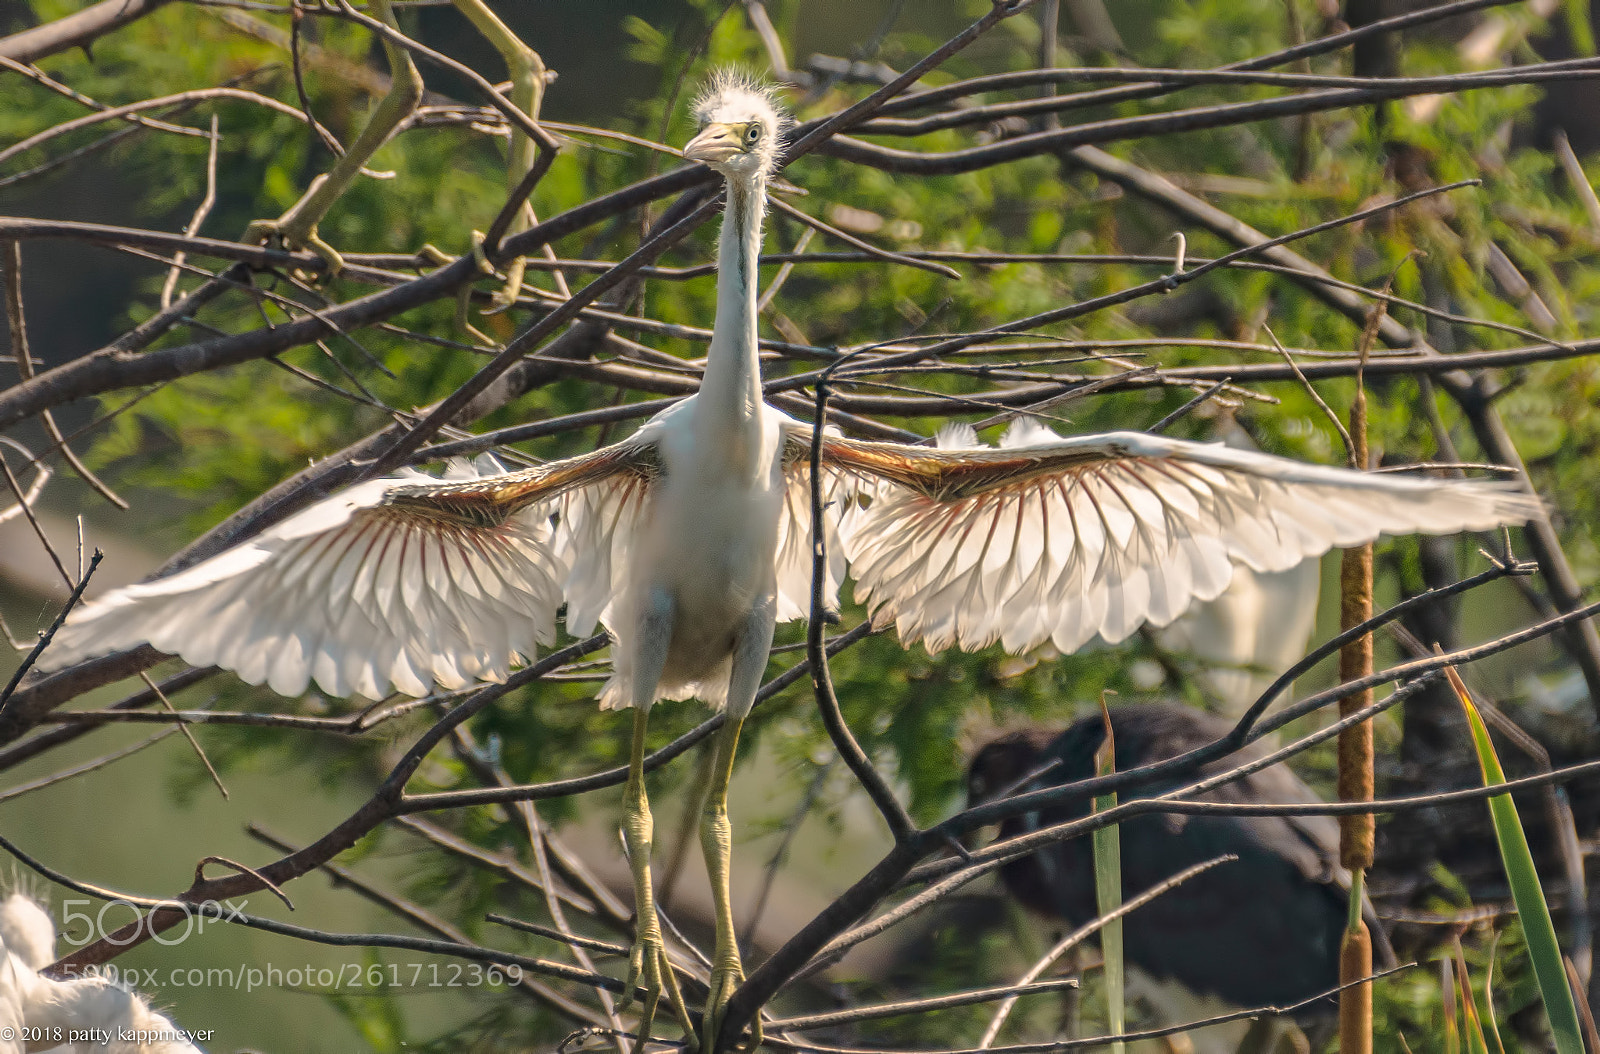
x: 1065, y: 539
x: 403, y: 582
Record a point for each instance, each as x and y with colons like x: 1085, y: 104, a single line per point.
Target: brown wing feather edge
x: 404, y: 582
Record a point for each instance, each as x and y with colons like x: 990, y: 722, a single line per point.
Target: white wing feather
x: 596, y: 533
x: 1065, y: 539
x: 839, y: 494
x: 354, y: 593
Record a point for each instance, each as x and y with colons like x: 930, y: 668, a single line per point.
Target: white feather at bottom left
x: 35, y: 1010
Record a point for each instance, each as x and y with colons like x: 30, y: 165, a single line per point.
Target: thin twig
x: 1316, y: 398
x: 865, y: 246
x: 1082, y: 933
x: 41, y: 476
x: 183, y: 726
x: 49, y: 634
x: 43, y: 79
x: 11, y: 267
x: 1578, y: 178
x: 559, y: 936
x: 784, y: 271
x: 894, y: 814
x: 919, y: 1006
x: 118, y: 112
x: 23, y: 502
x: 78, y: 770
x: 200, y: 213
x: 1184, y: 410
x: 1057, y: 1046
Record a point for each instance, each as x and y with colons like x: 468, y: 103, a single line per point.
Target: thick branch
x: 76, y: 30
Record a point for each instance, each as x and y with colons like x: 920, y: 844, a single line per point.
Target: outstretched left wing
x: 1063, y: 539
x: 403, y: 582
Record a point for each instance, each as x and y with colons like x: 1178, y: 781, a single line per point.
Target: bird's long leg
x: 298, y: 226
x: 716, y: 833
x: 647, y: 960
x: 527, y: 93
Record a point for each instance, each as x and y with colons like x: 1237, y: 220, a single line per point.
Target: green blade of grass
x: 1488, y: 997
x: 1108, y: 886
x: 1537, y: 929
x: 1447, y: 1005
x: 1471, y: 1026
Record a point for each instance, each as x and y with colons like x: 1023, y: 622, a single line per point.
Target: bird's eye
x: 752, y: 134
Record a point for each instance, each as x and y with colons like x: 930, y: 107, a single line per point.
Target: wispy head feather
x: 732, y: 94
x: 742, y: 127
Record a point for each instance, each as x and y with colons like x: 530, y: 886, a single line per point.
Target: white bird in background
x: 1257, y: 628
x: 44, y: 1016
x: 690, y: 539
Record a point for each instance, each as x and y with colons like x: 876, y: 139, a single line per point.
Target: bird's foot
x: 725, y: 980
x: 436, y: 257
x: 431, y: 255
x: 283, y: 233
x: 647, y: 965
x: 511, y: 283
x: 506, y: 296
x: 480, y: 257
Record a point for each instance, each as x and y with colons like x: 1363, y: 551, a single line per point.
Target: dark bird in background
x: 1260, y: 931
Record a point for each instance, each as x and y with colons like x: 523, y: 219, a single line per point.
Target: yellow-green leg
x: 716, y: 840
x: 647, y: 962
x: 298, y: 226
x: 527, y: 73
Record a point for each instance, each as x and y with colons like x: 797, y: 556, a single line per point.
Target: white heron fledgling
x: 87, y: 1015
x: 691, y: 539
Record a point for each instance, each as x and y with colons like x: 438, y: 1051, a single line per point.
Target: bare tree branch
x: 77, y: 30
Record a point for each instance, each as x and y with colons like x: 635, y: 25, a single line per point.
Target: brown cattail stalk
x: 1355, y: 1002
x: 1356, y: 832
x: 1355, y: 743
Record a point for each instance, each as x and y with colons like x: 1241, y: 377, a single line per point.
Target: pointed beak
x: 716, y: 142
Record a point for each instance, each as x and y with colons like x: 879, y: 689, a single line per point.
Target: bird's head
x: 997, y: 770
x: 742, y: 127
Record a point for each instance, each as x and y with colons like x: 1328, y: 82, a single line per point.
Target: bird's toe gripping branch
x: 725, y: 980
x: 528, y: 78
x: 648, y: 968
x: 286, y: 233
x: 716, y: 840
x: 297, y: 228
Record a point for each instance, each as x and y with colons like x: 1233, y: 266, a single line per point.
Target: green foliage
x: 1543, y: 950
x: 212, y: 442
x: 1108, y: 890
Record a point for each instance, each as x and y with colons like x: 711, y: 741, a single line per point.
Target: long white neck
x: 730, y: 391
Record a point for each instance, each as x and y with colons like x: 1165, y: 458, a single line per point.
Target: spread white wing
x: 1063, y: 539
x: 840, y: 493
x: 405, y: 582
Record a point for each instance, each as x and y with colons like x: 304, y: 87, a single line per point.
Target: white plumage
x: 357, y: 593
x: 1096, y: 535
x: 1258, y: 627
x: 691, y: 538
x: 1062, y: 540
x: 32, y: 1005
